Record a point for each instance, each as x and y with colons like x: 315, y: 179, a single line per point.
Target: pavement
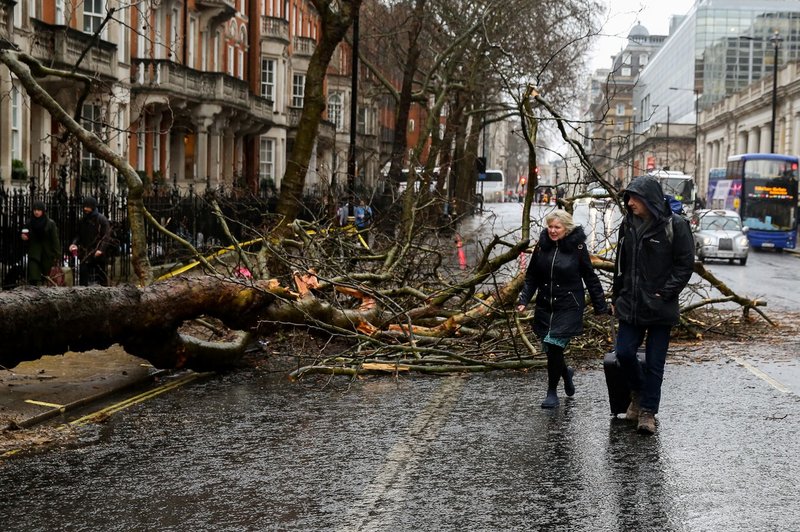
x: 39, y: 390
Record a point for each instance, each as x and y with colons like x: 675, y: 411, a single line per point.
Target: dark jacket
x: 94, y: 232
x: 44, y: 247
x: 557, y: 273
x: 652, y: 265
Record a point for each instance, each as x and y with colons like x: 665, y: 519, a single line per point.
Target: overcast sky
x: 624, y: 14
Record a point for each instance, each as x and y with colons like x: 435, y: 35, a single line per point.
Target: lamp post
x: 776, y: 43
x: 776, y: 40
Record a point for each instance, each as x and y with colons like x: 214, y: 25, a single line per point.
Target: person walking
x: 44, y: 246
x: 92, y: 244
x: 559, y: 269
x: 654, y: 262
x: 363, y: 215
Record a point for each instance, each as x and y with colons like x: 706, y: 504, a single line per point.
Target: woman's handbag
x: 56, y: 276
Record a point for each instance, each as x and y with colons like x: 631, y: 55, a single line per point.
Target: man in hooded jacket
x: 92, y: 244
x: 655, y: 260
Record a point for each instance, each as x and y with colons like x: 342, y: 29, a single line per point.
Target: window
x: 93, y: 15
x: 124, y: 41
x: 174, y: 46
x: 204, y: 50
x: 620, y: 109
x: 298, y: 89
x: 410, y: 126
x: 121, y: 113
x: 230, y: 60
x: 626, y: 71
x: 190, y: 49
x: 140, y: 139
x: 60, y: 12
x: 156, y: 149
x: 365, y: 121
x: 266, y: 159
x: 268, y: 79
x: 16, y: 124
x: 240, y: 65
x: 92, y: 119
x: 215, y: 57
x: 335, y: 111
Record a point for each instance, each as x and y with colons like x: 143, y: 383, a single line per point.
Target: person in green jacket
x: 44, y: 247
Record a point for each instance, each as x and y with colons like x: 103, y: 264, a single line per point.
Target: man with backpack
x: 654, y: 262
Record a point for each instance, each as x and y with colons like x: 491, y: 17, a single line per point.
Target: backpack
x: 677, y: 209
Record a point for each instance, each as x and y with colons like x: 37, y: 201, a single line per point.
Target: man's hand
x: 521, y: 308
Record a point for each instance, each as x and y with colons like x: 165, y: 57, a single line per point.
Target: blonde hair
x: 562, y: 216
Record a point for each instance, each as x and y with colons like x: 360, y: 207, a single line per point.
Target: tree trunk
x: 335, y: 24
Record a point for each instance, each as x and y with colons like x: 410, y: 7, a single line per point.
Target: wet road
x: 249, y: 451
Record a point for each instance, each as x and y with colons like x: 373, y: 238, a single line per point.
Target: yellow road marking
x: 42, y: 403
x: 112, y: 409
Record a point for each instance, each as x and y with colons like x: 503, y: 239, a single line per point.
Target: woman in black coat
x: 44, y: 247
x: 559, y: 268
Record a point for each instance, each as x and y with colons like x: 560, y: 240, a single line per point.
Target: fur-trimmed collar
x: 569, y: 243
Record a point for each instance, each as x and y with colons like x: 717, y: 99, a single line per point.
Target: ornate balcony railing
x: 63, y: 47
x: 171, y: 78
x: 275, y: 28
x: 304, y: 46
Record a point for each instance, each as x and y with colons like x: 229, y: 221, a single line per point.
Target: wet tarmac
x: 249, y: 451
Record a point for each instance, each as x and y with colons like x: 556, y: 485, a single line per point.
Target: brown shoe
x: 647, y: 422
x: 633, y: 408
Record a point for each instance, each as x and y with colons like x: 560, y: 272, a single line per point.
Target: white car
x: 719, y: 234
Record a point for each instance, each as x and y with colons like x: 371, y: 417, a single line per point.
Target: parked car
x: 719, y: 234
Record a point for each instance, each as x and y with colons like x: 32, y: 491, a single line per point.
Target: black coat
x: 652, y: 267
x: 94, y: 233
x: 557, y: 273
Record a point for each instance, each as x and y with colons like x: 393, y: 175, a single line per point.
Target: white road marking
x: 390, y: 485
x: 761, y: 375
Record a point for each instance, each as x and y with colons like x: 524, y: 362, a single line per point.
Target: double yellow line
x: 116, y: 407
x: 113, y: 409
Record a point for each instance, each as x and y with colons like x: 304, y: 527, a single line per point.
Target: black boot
x: 569, y: 386
x: 551, y: 400
x: 555, y: 363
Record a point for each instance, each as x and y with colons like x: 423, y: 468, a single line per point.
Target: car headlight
x: 742, y: 242
x: 707, y: 240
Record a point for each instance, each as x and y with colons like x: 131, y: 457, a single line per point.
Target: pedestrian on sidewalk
x: 92, y: 244
x: 558, y: 271
x: 44, y: 246
x: 655, y: 260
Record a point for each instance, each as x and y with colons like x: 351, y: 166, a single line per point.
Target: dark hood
x: 568, y: 243
x: 649, y: 189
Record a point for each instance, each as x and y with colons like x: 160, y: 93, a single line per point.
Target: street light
x: 776, y: 40
x: 776, y: 43
x: 696, y: 123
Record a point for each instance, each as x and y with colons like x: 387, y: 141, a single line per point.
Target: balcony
x: 304, y: 46
x: 275, y: 28
x: 174, y: 81
x: 223, y: 4
x: 62, y: 47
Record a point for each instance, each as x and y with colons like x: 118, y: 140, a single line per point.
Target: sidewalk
x: 41, y: 389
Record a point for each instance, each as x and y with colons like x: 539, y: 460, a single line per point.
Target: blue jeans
x: 648, y: 382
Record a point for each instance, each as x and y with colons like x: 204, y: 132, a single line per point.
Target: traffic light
x: 523, y: 180
x: 480, y: 164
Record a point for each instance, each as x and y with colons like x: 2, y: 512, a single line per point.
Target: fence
x: 185, y: 213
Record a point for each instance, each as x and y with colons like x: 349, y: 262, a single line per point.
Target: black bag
x: 619, y: 394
